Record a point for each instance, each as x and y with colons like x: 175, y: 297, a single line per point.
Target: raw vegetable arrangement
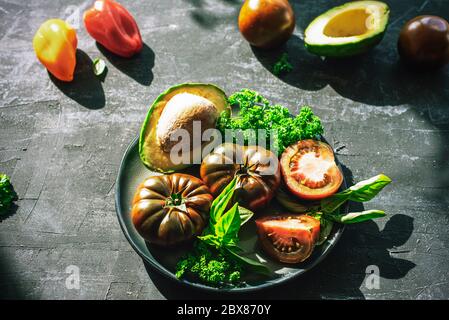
x: 239, y: 179
x: 237, y: 182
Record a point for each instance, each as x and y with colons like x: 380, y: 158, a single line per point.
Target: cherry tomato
x: 310, y: 171
x: 424, y: 42
x: 288, y: 238
x: 266, y: 23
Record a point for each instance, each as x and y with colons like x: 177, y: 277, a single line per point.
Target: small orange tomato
x: 55, y: 45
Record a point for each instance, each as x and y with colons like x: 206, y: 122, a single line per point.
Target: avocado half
x: 347, y: 30
x: 150, y: 151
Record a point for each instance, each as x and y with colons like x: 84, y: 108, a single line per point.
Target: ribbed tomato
x: 257, y: 168
x: 170, y: 209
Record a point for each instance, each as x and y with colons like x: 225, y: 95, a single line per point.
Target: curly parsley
x: 282, y: 65
x: 256, y: 112
x: 7, y: 194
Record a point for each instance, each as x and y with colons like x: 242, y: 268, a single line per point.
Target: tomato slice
x: 288, y: 238
x: 310, y: 171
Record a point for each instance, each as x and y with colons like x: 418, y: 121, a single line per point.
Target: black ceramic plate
x: 132, y: 172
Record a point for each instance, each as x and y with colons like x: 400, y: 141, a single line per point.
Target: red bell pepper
x: 111, y: 25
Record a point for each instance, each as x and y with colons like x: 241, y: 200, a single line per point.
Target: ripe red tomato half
x: 310, y: 171
x: 288, y: 238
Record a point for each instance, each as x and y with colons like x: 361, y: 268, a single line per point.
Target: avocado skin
x: 343, y: 50
x: 146, y: 158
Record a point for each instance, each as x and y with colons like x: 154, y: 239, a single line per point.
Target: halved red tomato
x: 288, y: 238
x: 310, y: 171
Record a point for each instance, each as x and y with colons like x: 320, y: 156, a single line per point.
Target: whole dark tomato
x: 257, y: 169
x: 170, y: 209
x: 309, y: 170
x: 266, y: 23
x: 288, y: 238
x: 424, y: 42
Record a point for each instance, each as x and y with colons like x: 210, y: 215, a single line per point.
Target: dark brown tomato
x: 257, y: 168
x: 266, y: 23
x: 170, y: 209
x: 424, y: 42
x: 288, y: 238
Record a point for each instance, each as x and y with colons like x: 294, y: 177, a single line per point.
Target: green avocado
x: 196, y: 101
x: 347, y: 30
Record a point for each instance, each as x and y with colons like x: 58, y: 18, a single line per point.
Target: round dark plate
x: 132, y: 172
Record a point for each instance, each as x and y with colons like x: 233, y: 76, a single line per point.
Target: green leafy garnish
x: 216, y: 259
x: 360, y: 192
x: 282, y: 65
x: 329, y: 210
x: 355, y: 217
x: 7, y: 194
x: 99, y: 66
x: 210, y: 266
x: 281, y: 128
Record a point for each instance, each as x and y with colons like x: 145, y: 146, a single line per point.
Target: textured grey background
x: 62, y: 145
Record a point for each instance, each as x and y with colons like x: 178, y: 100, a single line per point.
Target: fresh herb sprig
x: 217, y: 259
x: 281, y: 128
x: 282, y: 65
x: 328, y: 211
x: 7, y: 194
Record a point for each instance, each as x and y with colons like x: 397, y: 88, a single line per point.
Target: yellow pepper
x: 55, y: 45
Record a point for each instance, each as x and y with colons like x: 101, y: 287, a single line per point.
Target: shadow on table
x: 209, y: 18
x: 340, y: 276
x: 86, y: 89
x: 9, y: 283
x: 138, y: 67
x: 369, y: 78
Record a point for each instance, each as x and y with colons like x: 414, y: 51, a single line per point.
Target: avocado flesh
x: 150, y: 150
x: 347, y: 30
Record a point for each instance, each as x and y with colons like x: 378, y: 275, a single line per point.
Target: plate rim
x: 165, y: 272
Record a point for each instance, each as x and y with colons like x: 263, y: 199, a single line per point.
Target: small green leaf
x: 228, y: 225
x: 325, y: 227
x: 99, y: 66
x: 211, y: 240
x: 250, y: 264
x: 282, y: 65
x: 355, y: 217
x: 360, y: 192
x: 245, y: 215
x: 221, y: 202
x: 368, y: 189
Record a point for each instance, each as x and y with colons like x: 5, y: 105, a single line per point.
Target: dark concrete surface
x: 62, y: 145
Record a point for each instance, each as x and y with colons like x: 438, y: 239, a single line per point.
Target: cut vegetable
x: 188, y: 102
x: 310, y: 171
x: 347, y: 30
x: 288, y: 238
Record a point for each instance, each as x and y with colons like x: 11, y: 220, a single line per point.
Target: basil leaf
x: 368, y: 189
x: 228, y: 225
x: 221, y: 202
x: 245, y: 215
x: 211, y: 240
x: 355, y: 217
x: 360, y: 192
x: 250, y: 264
x: 325, y: 227
x: 99, y: 66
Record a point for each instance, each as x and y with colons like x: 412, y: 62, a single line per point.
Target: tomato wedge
x: 310, y: 171
x: 288, y: 238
